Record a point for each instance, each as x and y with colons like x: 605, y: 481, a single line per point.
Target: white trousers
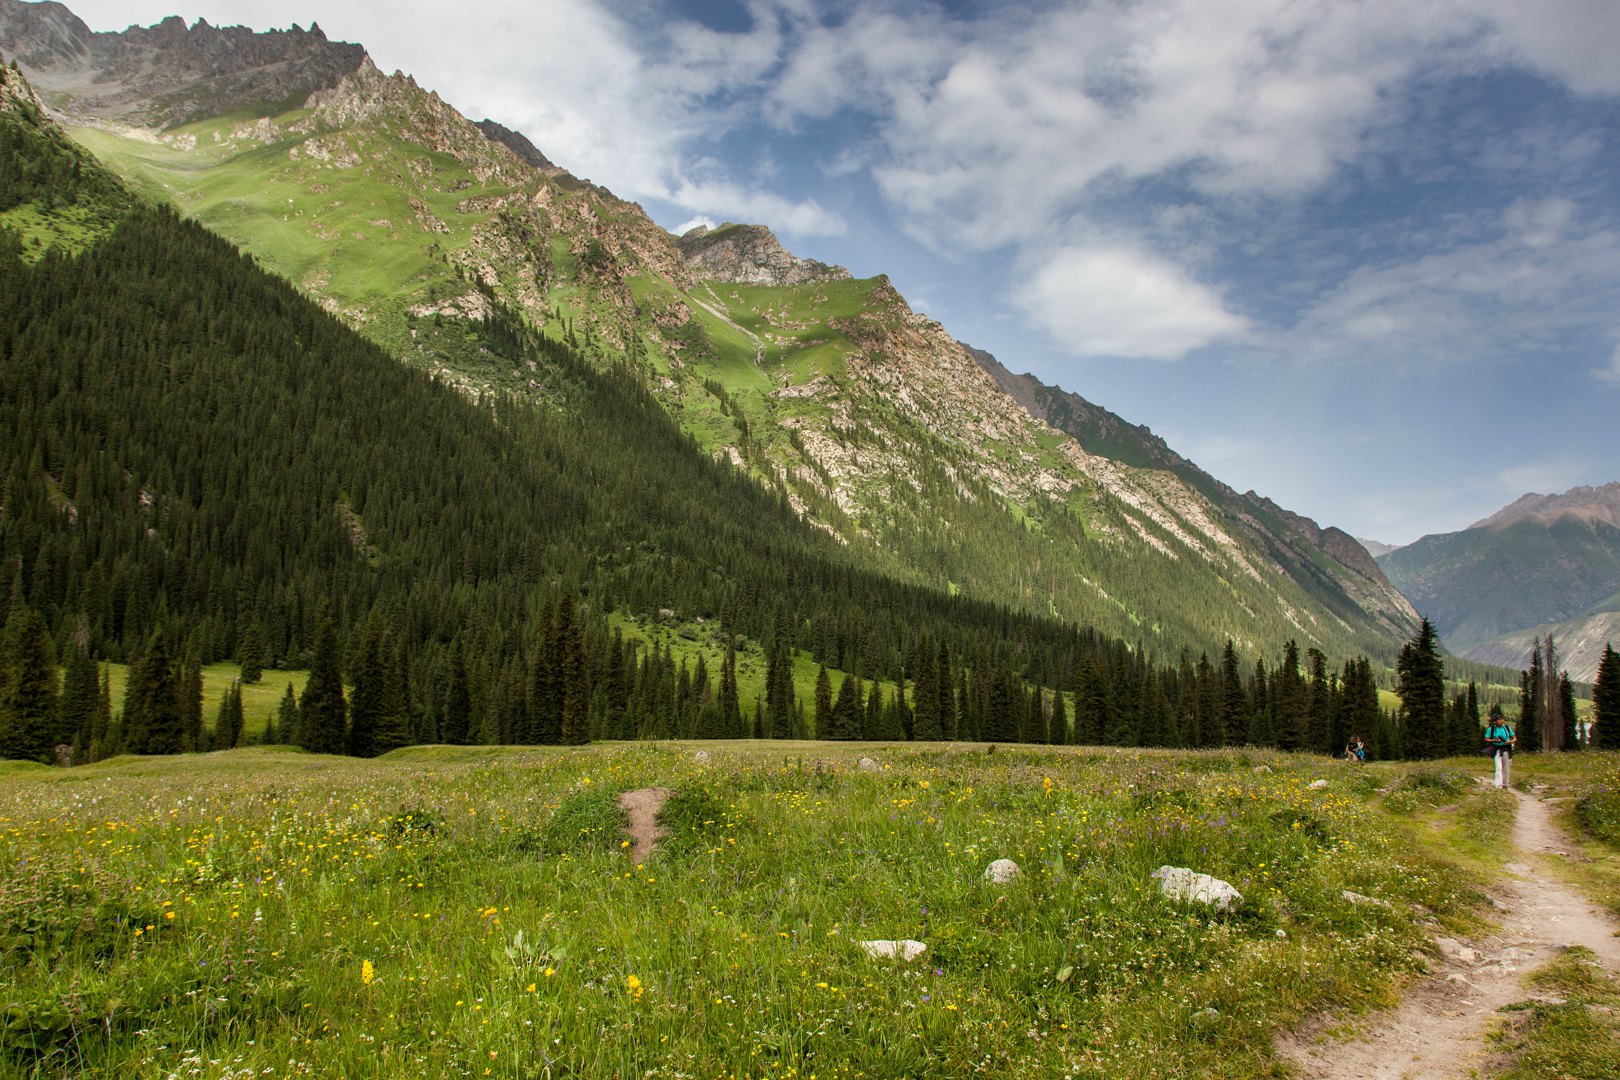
x: 1504, y: 763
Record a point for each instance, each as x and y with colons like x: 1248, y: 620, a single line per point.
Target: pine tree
x: 80, y: 703
x: 824, y: 704
x: 285, y: 726
x: 323, y: 712
x: 152, y: 722
x: 455, y: 717
x: 1420, y: 676
x: 250, y: 654
x: 575, y: 675
x: 1605, y: 698
x: 1566, y: 708
x: 731, y: 721
x: 1233, y: 701
x: 367, y: 696
x: 779, y: 683
x: 228, y: 721
x: 1531, y: 688
x: 1550, y: 719
x: 28, y: 691
x: 1059, y: 733
x: 189, y: 689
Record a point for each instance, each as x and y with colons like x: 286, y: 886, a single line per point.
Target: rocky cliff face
x: 1587, y: 503
x: 1291, y: 542
x: 166, y: 74
x: 517, y: 142
x: 750, y: 255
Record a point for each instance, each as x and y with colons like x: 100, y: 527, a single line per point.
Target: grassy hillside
x: 446, y: 911
x: 387, y: 208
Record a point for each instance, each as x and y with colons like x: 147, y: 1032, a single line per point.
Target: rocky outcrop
x: 750, y: 255
x: 516, y: 142
x: 167, y: 74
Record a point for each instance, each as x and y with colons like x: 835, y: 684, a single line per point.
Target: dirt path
x: 1438, y: 1030
x: 641, y: 807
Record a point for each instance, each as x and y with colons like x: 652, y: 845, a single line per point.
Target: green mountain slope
x: 410, y: 223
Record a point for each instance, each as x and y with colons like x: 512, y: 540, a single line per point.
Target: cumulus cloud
x: 1117, y: 300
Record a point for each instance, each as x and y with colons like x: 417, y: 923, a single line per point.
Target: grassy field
x: 470, y: 911
x: 259, y: 700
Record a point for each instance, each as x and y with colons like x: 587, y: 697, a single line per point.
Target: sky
x: 1361, y: 256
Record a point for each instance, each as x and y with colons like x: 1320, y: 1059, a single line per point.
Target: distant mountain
x: 1377, y: 548
x: 1580, y: 641
x: 1540, y: 562
x: 389, y: 208
x: 166, y: 74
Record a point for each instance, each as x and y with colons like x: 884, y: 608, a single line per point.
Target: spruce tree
x: 1531, y: 688
x: 189, y: 689
x: 731, y: 721
x: 1420, y: 676
x: 285, y: 725
x: 575, y: 679
x: 367, y: 696
x: 1605, y: 699
x: 1059, y: 732
x: 1566, y: 707
x: 824, y: 704
x: 28, y: 691
x: 228, y: 721
x: 152, y: 721
x: 80, y: 703
x: 250, y: 654
x: 1233, y: 701
x: 455, y: 717
x: 323, y: 712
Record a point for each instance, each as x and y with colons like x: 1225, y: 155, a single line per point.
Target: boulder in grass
x: 905, y: 951
x: 1002, y: 871
x: 868, y: 765
x: 700, y: 758
x: 1318, y: 785
x: 1180, y: 883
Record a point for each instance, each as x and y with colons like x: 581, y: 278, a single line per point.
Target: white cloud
x: 1610, y: 375
x: 1572, y: 40
x: 1117, y: 300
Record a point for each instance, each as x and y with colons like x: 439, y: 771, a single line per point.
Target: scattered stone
x: 905, y: 951
x: 1457, y: 978
x: 1262, y: 770
x: 1452, y: 949
x: 1318, y: 785
x: 1357, y: 898
x: 1002, y: 871
x: 701, y: 757
x: 1207, y: 1014
x: 868, y: 765
x: 1180, y: 883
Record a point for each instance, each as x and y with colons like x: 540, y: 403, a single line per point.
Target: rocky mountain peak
x: 1588, y: 503
x: 750, y: 255
x: 516, y: 142
x: 167, y: 74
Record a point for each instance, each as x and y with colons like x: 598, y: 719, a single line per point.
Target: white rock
x: 1318, y: 785
x: 906, y: 950
x: 701, y: 757
x: 1002, y: 871
x: 1262, y: 770
x: 1452, y: 949
x: 1357, y: 898
x: 868, y: 765
x: 1180, y: 883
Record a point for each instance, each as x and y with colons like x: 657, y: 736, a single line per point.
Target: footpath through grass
x: 470, y: 911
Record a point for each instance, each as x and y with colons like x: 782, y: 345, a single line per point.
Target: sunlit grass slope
x: 470, y: 911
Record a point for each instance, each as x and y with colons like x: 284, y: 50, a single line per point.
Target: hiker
x: 1499, y: 740
x: 1355, y: 750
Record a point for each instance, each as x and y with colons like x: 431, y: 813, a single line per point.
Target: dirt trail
x: 641, y: 807
x: 1438, y: 1029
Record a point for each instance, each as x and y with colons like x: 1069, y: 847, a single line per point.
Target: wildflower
x: 633, y: 986
x: 367, y: 972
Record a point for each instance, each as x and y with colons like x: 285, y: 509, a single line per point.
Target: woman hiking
x: 1499, y: 740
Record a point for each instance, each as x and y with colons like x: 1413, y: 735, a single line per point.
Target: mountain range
x: 1543, y: 565
x: 417, y: 227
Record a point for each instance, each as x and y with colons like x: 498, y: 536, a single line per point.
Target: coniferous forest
x: 202, y: 464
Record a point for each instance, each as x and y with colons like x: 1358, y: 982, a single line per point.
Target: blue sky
x: 1362, y: 256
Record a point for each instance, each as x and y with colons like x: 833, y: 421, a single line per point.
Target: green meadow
x: 474, y: 911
